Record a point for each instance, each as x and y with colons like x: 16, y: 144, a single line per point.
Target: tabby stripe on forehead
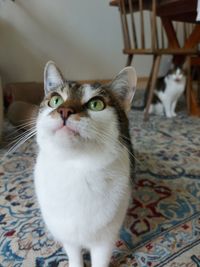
x: 76, y: 91
x: 62, y: 88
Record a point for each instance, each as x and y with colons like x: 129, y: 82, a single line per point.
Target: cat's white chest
x: 72, y: 196
x: 172, y: 91
x: 175, y: 88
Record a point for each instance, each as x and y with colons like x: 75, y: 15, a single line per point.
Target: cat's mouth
x: 68, y: 129
x: 178, y: 79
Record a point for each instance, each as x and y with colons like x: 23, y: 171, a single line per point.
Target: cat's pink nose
x: 65, y: 113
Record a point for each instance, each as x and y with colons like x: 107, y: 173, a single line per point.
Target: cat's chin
x: 178, y: 80
x: 65, y: 136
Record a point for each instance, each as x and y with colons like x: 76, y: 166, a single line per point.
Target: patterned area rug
x: 162, y: 227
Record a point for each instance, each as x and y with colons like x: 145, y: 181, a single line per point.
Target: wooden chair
x: 136, y: 42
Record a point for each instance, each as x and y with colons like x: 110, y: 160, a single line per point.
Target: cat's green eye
x: 96, y: 104
x: 56, y: 101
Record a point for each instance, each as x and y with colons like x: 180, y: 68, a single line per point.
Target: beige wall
x: 83, y: 37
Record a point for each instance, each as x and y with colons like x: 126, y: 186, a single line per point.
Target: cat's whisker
x: 12, y: 137
x: 129, y: 152
x: 22, y: 127
x: 20, y: 134
x: 133, y: 155
x: 30, y: 122
x: 107, y: 138
x: 119, y: 142
x: 21, y: 140
x: 27, y: 123
x: 32, y: 118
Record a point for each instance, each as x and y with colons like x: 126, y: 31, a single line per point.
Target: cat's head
x: 75, y: 116
x: 177, y: 73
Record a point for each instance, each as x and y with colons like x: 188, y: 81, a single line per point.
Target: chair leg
x: 188, y: 84
x: 129, y: 60
x: 150, y: 78
x: 152, y: 85
x: 198, y: 81
x: 146, y: 92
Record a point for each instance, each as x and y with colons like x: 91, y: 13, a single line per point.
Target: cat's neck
x: 93, y: 157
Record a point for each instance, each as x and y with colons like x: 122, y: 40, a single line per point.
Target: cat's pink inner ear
x: 132, y: 82
x: 124, y: 85
x: 52, y: 77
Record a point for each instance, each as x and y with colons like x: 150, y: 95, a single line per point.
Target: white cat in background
x: 167, y: 92
x: 82, y: 173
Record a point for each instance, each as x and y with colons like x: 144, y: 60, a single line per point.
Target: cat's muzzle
x: 65, y: 113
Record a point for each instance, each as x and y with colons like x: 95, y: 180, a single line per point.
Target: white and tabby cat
x: 167, y: 92
x: 82, y: 173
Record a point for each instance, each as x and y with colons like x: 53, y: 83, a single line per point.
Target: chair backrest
x: 136, y: 24
x: 143, y: 32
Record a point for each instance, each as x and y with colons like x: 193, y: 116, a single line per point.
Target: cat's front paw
x: 171, y: 115
x: 174, y: 114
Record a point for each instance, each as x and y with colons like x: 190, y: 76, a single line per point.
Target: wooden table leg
x: 170, y: 32
x: 194, y: 37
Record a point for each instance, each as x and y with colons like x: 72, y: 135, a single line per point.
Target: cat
x: 167, y: 92
x: 82, y: 171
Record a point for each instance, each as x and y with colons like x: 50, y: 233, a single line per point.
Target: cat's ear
x: 124, y: 85
x: 52, y: 77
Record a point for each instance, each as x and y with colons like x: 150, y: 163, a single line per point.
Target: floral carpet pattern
x: 162, y: 226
